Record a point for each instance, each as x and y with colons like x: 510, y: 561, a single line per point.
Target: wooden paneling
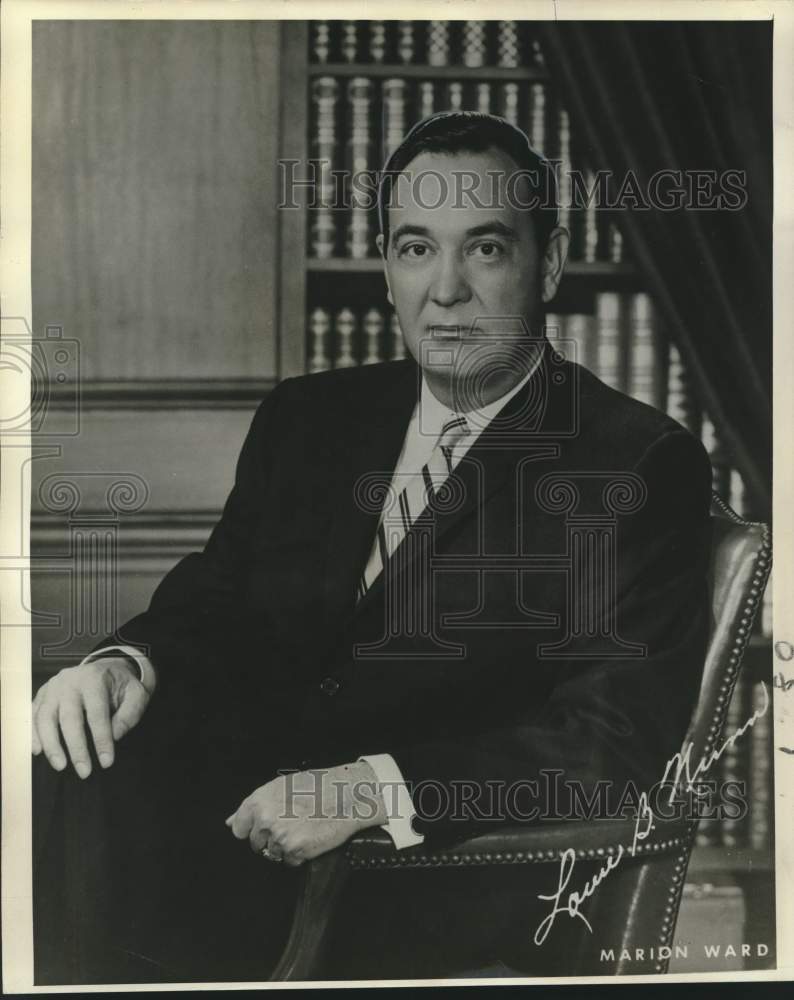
x: 113, y: 508
x: 155, y: 149
x: 292, y: 222
x: 80, y: 592
x: 181, y: 460
x: 156, y: 245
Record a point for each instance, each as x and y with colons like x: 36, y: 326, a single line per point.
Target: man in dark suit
x: 435, y: 583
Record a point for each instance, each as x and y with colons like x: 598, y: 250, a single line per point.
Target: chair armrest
x: 325, y: 877
x: 323, y: 881
x: 546, y: 842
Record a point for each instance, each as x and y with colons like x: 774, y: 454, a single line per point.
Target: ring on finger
x: 268, y: 855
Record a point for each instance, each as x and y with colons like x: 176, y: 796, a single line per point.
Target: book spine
x: 349, y: 41
x: 554, y: 327
x: 643, y: 352
x: 438, y: 43
x: 325, y: 93
x: 321, y: 41
x: 720, y: 469
x: 608, y: 339
x: 484, y: 98
x: 680, y: 398
x: 474, y: 43
x: 373, y: 326
x: 737, y: 496
x: 358, y: 159
x: 537, y: 117
x: 455, y: 96
x: 319, y: 340
x: 508, y: 102
x: 426, y: 99
x: 590, y: 226
x: 508, y: 44
x: 564, y: 148
x: 615, y: 244
x: 394, y: 91
x: 579, y: 329
x: 406, y: 41
x: 760, y: 773
x: 377, y: 41
x: 345, y: 329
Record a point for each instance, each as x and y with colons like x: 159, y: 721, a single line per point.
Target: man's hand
x: 106, y: 693
x: 298, y: 816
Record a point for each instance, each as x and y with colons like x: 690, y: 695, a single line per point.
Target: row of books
x: 346, y: 338
x: 621, y: 342
x: 432, y: 43
x: 747, y: 764
x: 356, y: 122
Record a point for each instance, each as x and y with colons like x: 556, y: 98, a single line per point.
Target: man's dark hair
x: 475, y: 132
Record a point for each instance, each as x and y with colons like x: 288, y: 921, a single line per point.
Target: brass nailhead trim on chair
x: 760, y: 573
x: 673, y: 901
x: 400, y: 859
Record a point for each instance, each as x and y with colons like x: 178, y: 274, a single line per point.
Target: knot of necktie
x: 455, y: 428
x: 427, y: 490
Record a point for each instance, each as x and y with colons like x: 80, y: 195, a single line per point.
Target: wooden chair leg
x: 323, y: 880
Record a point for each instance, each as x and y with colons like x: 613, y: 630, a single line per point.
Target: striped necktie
x: 404, y: 505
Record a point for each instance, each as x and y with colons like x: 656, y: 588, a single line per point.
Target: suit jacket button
x: 329, y: 686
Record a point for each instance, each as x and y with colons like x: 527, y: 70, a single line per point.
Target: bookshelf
x: 350, y: 91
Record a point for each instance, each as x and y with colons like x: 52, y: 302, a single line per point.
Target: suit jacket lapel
x: 530, y: 424
x: 368, y: 444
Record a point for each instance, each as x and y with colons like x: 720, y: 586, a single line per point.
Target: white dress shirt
x: 424, y: 430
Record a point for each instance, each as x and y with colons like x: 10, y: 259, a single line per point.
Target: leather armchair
x: 636, y: 906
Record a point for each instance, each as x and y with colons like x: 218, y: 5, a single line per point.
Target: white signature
x: 678, y: 767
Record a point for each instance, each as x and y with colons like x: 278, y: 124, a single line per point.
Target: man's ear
x: 553, y: 262
x: 380, y: 245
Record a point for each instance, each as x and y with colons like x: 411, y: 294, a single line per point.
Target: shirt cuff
x: 148, y: 677
x: 397, y: 799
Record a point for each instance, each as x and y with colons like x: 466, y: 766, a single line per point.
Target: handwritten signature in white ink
x: 680, y: 766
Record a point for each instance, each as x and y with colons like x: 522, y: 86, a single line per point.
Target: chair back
x: 741, y: 558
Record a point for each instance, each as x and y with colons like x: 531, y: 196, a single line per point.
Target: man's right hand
x: 105, y: 693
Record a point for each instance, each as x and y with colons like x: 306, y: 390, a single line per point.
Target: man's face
x: 464, y: 272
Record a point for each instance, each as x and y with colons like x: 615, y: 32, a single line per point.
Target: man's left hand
x: 299, y: 816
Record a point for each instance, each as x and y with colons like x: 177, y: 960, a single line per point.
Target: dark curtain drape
x: 691, y: 96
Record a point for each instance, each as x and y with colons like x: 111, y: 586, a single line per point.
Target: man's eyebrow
x: 494, y: 226
x: 406, y: 229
